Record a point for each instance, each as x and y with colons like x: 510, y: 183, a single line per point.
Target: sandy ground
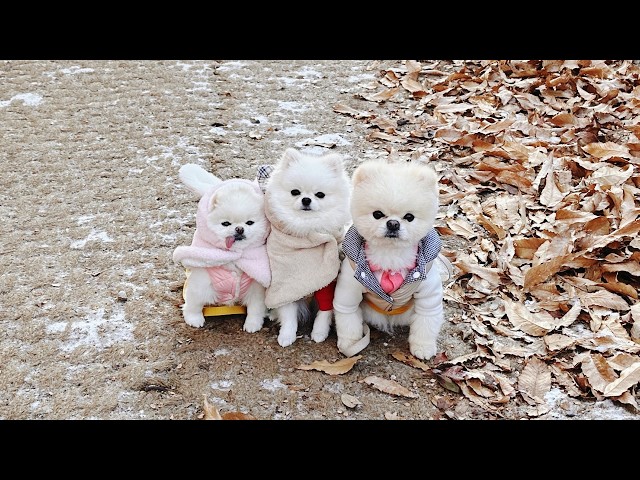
x: 92, y: 210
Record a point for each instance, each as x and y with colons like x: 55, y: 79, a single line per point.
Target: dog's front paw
x: 348, y: 346
x: 286, y: 337
x: 320, y: 333
x: 423, y: 351
x: 321, y: 326
x: 194, y: 319
x: 253, y: 324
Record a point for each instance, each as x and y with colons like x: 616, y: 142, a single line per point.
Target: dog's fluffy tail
x: 197, y: 179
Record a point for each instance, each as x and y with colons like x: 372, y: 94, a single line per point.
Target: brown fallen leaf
x: 443, y: 403
x: 382, y: 96
x: 337, y: 368
x: 535, y: 380
x: 411, y: 360
x: 237, y: 416
x: 389, y: 386
x: 533, y: 323
x: 448, y: 383
x: 606, y: 150
x: 350, y: 401
x: 210, y: 411
x: 628, y: 378
x: 599, y: 373
x: 351, y: 111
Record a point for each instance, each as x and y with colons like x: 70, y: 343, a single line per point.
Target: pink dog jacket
x: 208, y: 250
x: 229, y: 286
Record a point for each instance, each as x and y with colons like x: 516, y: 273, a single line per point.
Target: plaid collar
x: 353, y: 246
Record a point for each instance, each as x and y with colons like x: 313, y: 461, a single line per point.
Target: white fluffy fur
x: 236, y: 204
x: 395, y: 190
x: 310, y: 174
x: 197, y: 179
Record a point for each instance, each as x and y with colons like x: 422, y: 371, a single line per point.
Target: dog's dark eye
x: 226, y: 224
x: 320, y: 195
x: 409, y: 217
x: 378, y: 214
x: 250, y: 222
x: 295, y: 192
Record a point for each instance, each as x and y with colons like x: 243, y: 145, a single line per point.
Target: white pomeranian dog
x: 227, y: 260
x: 386, y: 279
x: 307, y: 204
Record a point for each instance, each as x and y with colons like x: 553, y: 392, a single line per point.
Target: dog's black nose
x: 393, y: 225
x: 240, y: 230
x: 306, y: 201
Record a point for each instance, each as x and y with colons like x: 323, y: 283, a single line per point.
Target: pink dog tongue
x: 229, y: 241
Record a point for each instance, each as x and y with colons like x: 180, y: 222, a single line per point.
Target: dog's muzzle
x: 393, y: 229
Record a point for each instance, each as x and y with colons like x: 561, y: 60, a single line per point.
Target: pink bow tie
x: 389, y: 281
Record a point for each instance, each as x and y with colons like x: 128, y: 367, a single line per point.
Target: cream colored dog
x: 307, y: 204
x: 387, y: 279
x: 227, y: 260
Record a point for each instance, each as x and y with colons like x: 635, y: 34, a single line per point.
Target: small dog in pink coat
x: 227, y: 260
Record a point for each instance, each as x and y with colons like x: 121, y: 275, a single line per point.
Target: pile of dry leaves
x: 539, y: 172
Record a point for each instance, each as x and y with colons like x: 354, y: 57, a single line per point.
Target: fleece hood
x: 209, y: 250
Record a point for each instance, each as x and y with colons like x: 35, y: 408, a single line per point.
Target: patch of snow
x: 244, y: 78
x: 185, y: 66
x: 75, y: 70
x: 328, y: 139
x: 98, y: 331
x: 218, y: 401
x: 169, y: 152
x: 295, y: 130
x: 56, y: 327
x: 28, y: 99
x: 204, y: 86
x: 564, y: 407
x: 262, y: 120
x: 292, y: 106
x: 221, y: 351
x: 288, y: 81
x: 361, y: 77
x: 85, y: 219
x: 227, y: 66
x: 94, y: 235
x: 272, y: 385
x: 168, y: 239
x: 218, y: 131
x: 308, y: 72
x: 222, y: 385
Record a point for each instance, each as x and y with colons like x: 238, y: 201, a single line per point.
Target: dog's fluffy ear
x: 289, y: 156
x: 364, y: 172
x: 213, y: 201
x: 197, y: 179
x: 427, y: 175
x: 334, y: 160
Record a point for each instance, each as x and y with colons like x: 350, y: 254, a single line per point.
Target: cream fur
x: 304, y: 241
x: 399, y: 191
